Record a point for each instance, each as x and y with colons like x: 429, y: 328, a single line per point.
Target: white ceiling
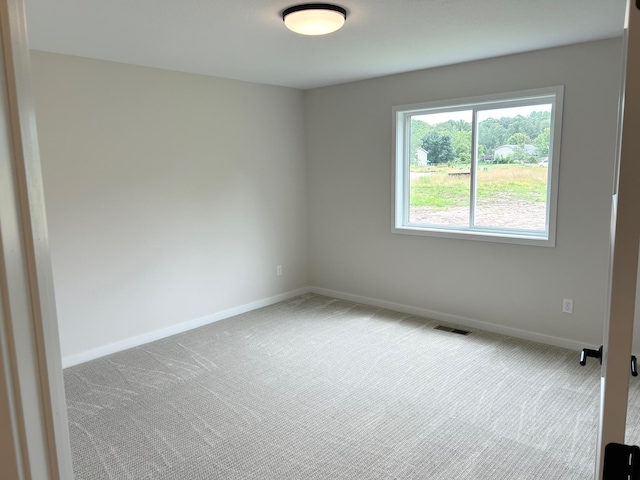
x: 247, y: 40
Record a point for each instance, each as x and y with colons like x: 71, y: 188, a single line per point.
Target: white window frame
x: 401, y: 186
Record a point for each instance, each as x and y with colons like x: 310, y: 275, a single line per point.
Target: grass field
x: 445, y: 187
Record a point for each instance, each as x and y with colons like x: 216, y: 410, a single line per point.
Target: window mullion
x: 473, y: 168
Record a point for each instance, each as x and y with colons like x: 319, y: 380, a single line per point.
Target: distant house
x: 506, y: 150
x: 421, y: 156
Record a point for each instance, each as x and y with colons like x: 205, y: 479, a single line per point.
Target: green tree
x: 418, y: 130
x: 439, y: 147
x: 481, y: 152
x: 492, y: 134
x: 461, y: 142
x: 536, y: 123
x: 542, y: 142
x: 450, y: 127
x: 519, y: 138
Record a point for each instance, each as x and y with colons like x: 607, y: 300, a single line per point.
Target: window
x: 483, y: 168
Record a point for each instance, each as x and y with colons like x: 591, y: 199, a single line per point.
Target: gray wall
x: 170, y: 196
x: 511, y: 288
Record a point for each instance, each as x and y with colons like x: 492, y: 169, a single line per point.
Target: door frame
x: 625, y: 240
x: 32, y: 401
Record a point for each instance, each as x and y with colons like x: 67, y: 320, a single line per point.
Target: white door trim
x: 618, y: 332
x: 32, y: 401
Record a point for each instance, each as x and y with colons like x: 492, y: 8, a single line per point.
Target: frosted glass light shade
x: 314, y: 18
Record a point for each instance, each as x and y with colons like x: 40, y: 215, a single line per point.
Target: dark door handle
x: 588, y: 352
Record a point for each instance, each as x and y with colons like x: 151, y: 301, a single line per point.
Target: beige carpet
x: 318, y: 388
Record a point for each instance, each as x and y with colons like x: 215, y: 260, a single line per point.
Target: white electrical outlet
x: 279, y: 270
x: 567, y: 305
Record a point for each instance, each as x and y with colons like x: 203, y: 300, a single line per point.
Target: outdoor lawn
x: 445, y: 186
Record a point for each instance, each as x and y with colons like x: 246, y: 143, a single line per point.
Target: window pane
x: 479, y: 168
x: 440, y: 156
x: 512, y: 171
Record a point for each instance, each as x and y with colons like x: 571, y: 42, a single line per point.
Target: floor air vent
x: 452, y: 330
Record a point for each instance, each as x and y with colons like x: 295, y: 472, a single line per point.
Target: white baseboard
x: 454, y: 319
x: 72, y: 360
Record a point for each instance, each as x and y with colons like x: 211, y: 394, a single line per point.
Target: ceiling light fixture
x: 314, y: 18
